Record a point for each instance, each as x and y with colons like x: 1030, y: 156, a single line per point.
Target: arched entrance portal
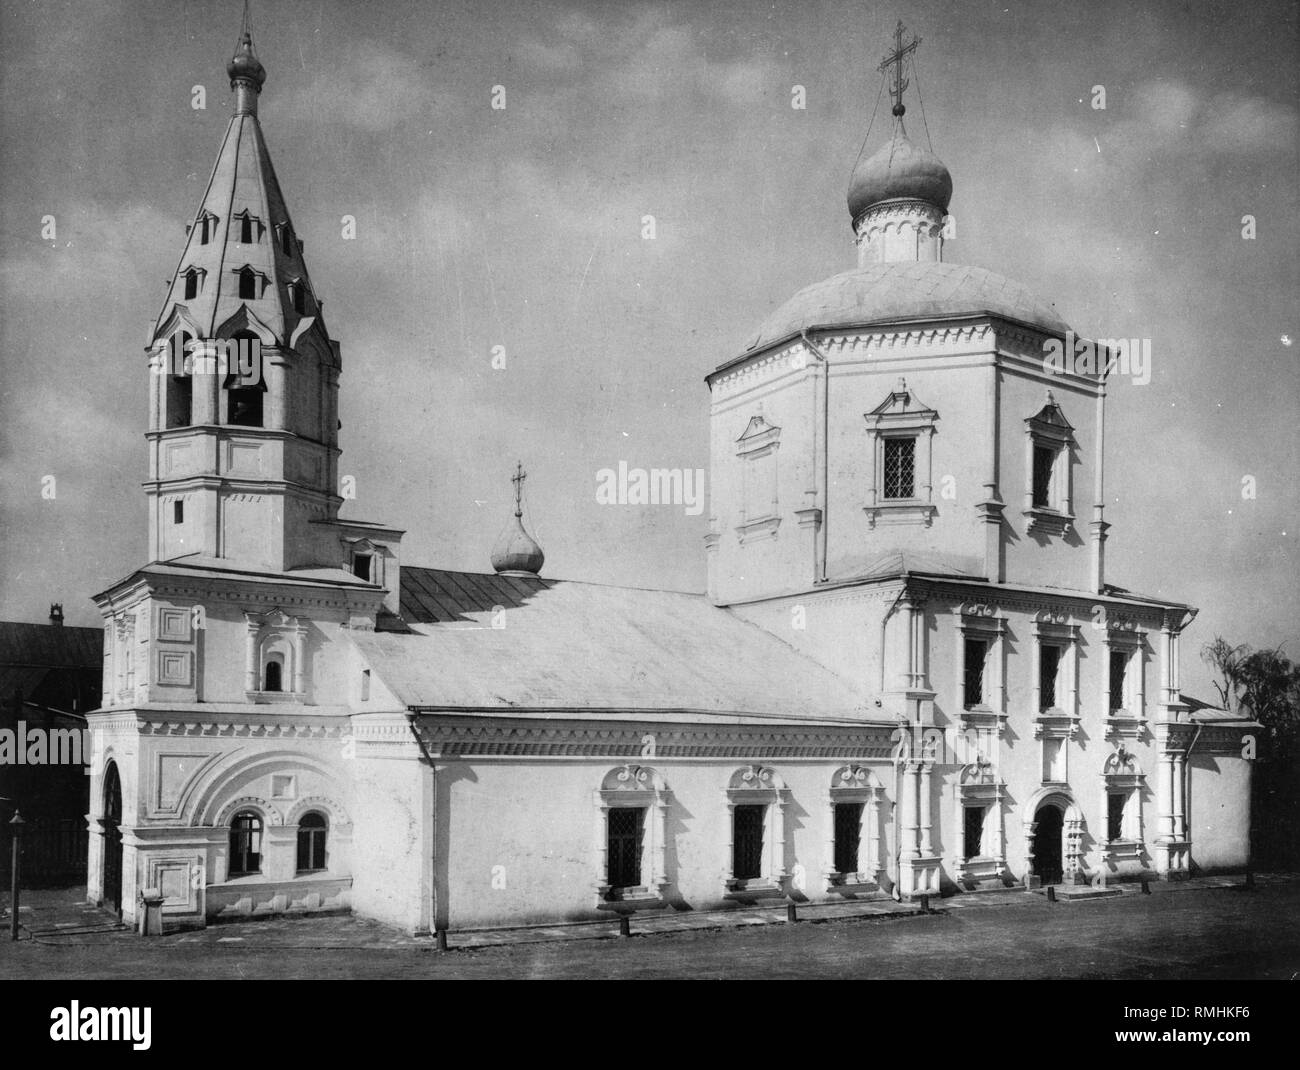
x: 1049, y: 821
x: 113, y: 838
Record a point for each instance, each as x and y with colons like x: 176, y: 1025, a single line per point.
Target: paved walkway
x: 61, y: 917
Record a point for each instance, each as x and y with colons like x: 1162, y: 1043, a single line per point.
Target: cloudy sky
x: 521, y: 228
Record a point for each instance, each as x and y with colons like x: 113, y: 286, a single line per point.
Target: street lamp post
x: 15, y: 872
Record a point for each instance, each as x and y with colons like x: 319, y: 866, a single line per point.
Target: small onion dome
x: 245, y: 64
x: 516, y: 553
x: 899, y: 171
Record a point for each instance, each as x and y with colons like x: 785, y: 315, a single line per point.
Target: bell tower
x: 243, y: 398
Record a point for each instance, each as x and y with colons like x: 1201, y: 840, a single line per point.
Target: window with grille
x: 848, y: 835
x: 1118, y: 676
x: 245, y: 844
x: 973, y: 832
x: 1044, y: 461
x: 1049, y: 666
x: 900, y: 467
x: 1115, y: 816
x: 626, y: 832
x: 312, y: 832
x: 747, y: 842
x: 976, y: 655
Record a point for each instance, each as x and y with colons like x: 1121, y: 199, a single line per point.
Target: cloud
x: 1233, y: 123
x: 372, y: 89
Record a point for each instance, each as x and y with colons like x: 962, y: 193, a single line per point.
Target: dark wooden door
x: 113, y: 838
x: 1048, y: 823
x: 626, y: 828
x: 747, y: 842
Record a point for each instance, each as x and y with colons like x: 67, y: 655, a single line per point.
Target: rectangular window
x: 1049, y: 665
x: 848, y: 834
x: 747, y: 842
x: 178, y: 512
x: 365, y: 685
x: 361, y: 566
x: 900, y: 468
x: 1044, y: 461
x: 180, y: 392
x: 976, y: 655
x: 1115, y: 817
x: 246, y: 230
x: 191, y: 285
x: 247, y: 286
x: 1118, y: 675
x: 626, y: 829
x: 973, y: 832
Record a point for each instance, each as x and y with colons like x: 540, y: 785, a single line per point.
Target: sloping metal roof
x: 24, y: 645
x: 561, y: 645
x: 883, y: 293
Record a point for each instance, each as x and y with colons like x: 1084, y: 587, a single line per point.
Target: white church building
x: 910, y: 675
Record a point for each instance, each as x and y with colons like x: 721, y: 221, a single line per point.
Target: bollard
x: 624, y: 925
x: 1051, y: 893
x: 15, y: 872
x: 925, y: 904
x: 441, y: 936
x: 151, y: 919
x: 1146, y: 886
x: 791, y: 913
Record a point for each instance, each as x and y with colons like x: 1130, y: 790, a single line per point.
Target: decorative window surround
x: 260, y: 281
x: 901, y: 415
x: 759, y: 511
x: 978, y: 785
x: 1059, y: 724
x: 642, y: 787
x: 272, y: 633
x: 855, y: 784
x: 982, y: 621
x: 361, y: 547
x: 256, y: 227
x: 1050, y: 429
x: 1123, y: 776
x: 758, y: 785
x: 1129, y: 720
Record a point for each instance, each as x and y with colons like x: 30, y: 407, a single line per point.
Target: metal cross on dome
x: 900, y: 53
x: 518, y: 480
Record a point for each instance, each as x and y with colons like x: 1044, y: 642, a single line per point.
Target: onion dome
x: 900, y: 170
x: 244, y: 63
x: 516, y: 552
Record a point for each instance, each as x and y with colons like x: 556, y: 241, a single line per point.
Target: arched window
x: 271, y: 678
x: 245, y: 844
x: 191, y: 285
x: 312, y: 832
x: 247, y: 284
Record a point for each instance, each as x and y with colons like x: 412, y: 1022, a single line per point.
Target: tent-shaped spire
x: 242, y: 263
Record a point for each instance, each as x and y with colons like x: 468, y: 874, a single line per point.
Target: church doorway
x: 113, y: 838
x: 1048, y: 827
